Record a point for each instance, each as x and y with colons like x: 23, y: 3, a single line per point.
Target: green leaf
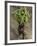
x: 22, y: 15
x: 26, y: 18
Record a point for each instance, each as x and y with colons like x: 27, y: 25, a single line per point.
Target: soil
x: 14, y: 34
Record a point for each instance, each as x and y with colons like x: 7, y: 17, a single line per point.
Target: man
x: 21, y: 30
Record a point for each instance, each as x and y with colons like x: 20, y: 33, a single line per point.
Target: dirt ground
x: 14, y: 35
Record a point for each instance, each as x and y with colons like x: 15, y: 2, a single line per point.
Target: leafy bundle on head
x: 22, y: 15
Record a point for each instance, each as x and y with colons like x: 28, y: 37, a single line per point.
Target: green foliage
x: 22, y: 15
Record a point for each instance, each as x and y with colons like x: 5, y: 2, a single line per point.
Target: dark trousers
x: 22, y: 34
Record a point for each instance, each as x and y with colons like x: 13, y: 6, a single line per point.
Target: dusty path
x: 14, y: 30
x: 14, y: 35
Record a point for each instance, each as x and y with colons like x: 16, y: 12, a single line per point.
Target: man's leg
x: 23, y: 35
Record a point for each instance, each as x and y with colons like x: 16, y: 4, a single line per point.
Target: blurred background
x: 14, y: 34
